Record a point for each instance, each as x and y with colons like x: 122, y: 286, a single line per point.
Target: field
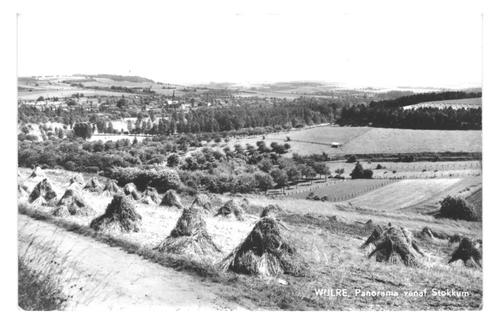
x: 423, y: 169
x: 409, y: 190
x: 55, y: 87
x: 468, y: 187
x: 379, y: 140
x: 167, y: 90
x: 455, y: 103
x: 340, y: 190
x: 328, y: 236
x: 367, y: 140
x: 403, y: 194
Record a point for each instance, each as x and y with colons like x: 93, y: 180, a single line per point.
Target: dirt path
x: 94, y: 275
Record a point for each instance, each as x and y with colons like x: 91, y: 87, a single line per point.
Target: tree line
x: 391, y: 113
x: 283, y: 114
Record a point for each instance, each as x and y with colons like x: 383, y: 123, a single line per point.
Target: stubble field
x: 328, y: 235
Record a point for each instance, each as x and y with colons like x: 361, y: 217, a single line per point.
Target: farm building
x: 336, y: 144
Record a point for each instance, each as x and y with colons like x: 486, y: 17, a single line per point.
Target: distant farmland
x: 404, y: 193
x: 367, y: 140
x: 423, y: 169
x: 455, y: 103
x: 343, y: 190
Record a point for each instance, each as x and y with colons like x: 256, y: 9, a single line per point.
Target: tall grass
x: 40, y: 288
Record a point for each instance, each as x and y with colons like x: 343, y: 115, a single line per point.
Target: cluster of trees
x: 360, y: 172
x: 283, y: 114
x: 76, y: 154
x: 161, y: 178
x: 259, y: 116
x: 70, y: 155
x: 390, y: 113
x: 244, y: 169
x: 414, y: 118
x: 31, y: 114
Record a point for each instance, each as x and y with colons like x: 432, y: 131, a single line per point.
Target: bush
x: 408, y: 158
x: 367, y: 173
x: 92, y: 169
x: 351, y: 159
x: 359, y: 172
x: 457, y: 208
x: 70, y: 165
x: 161, y: 179
x: 244, y: 183
x: 310, y: 196
x: 83, y: 130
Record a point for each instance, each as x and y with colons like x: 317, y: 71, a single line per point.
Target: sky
x: 376, y: 43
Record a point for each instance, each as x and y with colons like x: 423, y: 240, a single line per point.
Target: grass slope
x: 330, y: 247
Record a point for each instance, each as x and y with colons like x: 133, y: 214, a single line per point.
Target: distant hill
x: 120, y: 78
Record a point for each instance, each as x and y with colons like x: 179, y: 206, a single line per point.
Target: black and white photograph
x: 249, y: 156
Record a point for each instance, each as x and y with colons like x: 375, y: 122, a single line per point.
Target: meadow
x: 368, y: 140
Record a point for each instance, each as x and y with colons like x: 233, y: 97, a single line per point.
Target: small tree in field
x: 457, y: 208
